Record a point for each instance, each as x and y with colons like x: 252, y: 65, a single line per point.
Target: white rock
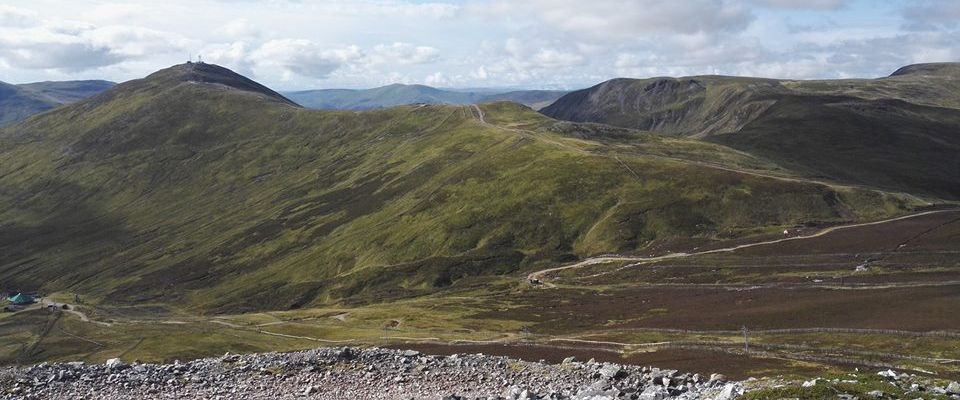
x: 811, y: 383
x: 889, y: 374
x: 654, y: 393
x: 953, y: 388
x: 730, y: 392
x: 610, y: 371
x: 114, y: 363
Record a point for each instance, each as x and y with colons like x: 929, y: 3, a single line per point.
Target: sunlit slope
x: 198, y: 187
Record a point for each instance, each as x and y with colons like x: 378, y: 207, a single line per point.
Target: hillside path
x: 540, y: 276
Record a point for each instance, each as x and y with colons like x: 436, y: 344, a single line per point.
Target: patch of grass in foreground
x: 859, y: 386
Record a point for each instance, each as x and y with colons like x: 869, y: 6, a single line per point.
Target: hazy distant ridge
x: 17, y: 102
x: 399, y: 94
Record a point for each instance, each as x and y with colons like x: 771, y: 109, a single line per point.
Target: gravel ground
x: 355, y: 373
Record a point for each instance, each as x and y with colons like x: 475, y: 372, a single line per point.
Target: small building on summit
x: 21, y: 299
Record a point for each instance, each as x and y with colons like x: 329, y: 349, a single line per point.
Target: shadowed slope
x: 897, y: 133
x: 18, y: 102
x: 65, y: 92
x: 928, y: 69
x: 695, y: 106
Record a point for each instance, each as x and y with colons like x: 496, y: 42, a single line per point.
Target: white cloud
x: 389, y: 8
x: 404, y: 53
x: 17, y: 17
x: 235, y: 55
x: 880, y: 56
x: 309, y: 59
x: 295, y: 44
x: 550, y: 58
x: 518, y: 60
x: 303, y: 57
x: 240, y: 28
x: 437, y: 79
x: 932, y: 14
x: 77, y: 47
x: 803, y: 4
x: 480, y: 73
x: 629, y: 18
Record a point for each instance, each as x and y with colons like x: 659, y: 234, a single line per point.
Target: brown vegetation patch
x: 911, y: 308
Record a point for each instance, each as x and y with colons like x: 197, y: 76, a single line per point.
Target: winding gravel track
x: 540, y: 276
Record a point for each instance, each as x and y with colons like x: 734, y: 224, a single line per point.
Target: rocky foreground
x: 354, y: 373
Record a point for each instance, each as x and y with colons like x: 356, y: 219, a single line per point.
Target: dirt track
x: 540, y: 276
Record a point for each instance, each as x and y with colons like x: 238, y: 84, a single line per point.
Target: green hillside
x: 200, y: 188
x: 897, y: 133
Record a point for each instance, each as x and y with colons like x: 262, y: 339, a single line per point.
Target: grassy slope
x: 184, y: 190
x: 897, y: 133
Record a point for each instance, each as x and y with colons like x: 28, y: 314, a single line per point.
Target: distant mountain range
x: 17, y: 102
x: 399, y: 94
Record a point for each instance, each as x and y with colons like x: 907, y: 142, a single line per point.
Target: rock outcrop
x: 342, y: 373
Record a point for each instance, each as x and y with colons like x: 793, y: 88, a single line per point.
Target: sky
x: 538, y: 44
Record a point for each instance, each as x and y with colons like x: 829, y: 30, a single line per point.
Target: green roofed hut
x: 21, y: 299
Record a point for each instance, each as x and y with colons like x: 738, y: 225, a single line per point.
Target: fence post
x: 746, y: 340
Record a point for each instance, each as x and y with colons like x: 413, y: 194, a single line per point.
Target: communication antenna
x: 200, y: 58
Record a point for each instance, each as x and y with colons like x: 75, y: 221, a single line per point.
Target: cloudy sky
x: 301, y: 44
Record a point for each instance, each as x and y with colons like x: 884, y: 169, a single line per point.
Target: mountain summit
x: 208, y: 75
